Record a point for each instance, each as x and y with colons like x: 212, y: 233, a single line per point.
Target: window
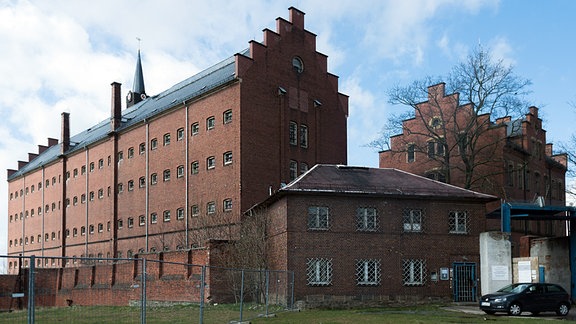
x: 166, y: 175
x: 130, y: 222
x: 412, y: 219
x: 435, y: 122
x: 100, y: 163
x: 227, y: 204
x: 82, y: 231
x: 298, y: 65
x: 211, y: 207
x: 153, y: 178
x: 180, y: 134
x: 67, y: 177
x: 195, y: 210
x: 166, y: 215
x: 319, y: 272
x: 100, y: 227
x: 142, y: 148
x: 303, y: 136
x: 130, y: 185
x: 166, y: 139
x: 66, y: 203
x: 227, y: 116
x: 91, y: 166
x: 210, y: 162
x: 414, y: 272
x: 411, y: 153
x: 141, y: 220
x: 227, y: 157
x: 435, y: 149
x: 318, y: 218
x: 293, y: 133
x: 120, y: 224
x: 180, y: 171
x: 153, y: 144
x: 293, y: 170
x: 510, y: 174
x: 75, y: 200
x: 210, y: 123
x: 142, y: 182
x: 108, y: 226
x: 120, y: 156
x: 109, y: 160
x: 120, y: 187
x: 100, y: 193
x: 130, y: 152
x: 194, y: 167
x: 153, y: 218
x: 180, y: 213
x: 195, y: 128
x: 91, y: 229
x: 91, y: 195
x: 458, y: 222
x: 436, y: 175
x: 83, y: 170
x: 366, y: 219
x: 303, y: 167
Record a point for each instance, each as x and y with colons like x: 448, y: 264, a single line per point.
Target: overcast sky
x: 58, y: 56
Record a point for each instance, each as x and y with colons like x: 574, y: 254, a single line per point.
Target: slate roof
x: 323, y: 178
x: 192, y: 87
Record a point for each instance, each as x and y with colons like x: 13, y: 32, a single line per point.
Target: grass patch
x: 226, y: 313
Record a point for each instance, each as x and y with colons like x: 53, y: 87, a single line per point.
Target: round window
x: 297, y: 64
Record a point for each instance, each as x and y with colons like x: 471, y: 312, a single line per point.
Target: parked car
x: 531, y: 297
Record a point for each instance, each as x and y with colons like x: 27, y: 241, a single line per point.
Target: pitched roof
x: 190, y: 88
x: 341, y: 179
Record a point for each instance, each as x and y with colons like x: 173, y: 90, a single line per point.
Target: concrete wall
x: 554, y: 255
x: 495, y: 261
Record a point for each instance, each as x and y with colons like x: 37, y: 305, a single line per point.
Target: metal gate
x: 464, y: 279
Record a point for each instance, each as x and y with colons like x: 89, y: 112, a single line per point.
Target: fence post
x: 267, y: 287
x: 202, y: 287
x: 241, y: 294
x: 143, y: 292
x: 31, y: 272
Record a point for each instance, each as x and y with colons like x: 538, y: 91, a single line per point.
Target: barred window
x: 227, y: 116
x: 130, y: 222
x: 166, y: 215
x: 195, y: 210
x: 227, y: 204
x: 211, y: 162
x: 303, y: 136
x: 130, y: 152
x: 141, y: 220
x: 411, y: 153
x: 153, y: 218
x: 194, y: 167
x: 142, y: 182
x: 412, y: 219
x: 458, y: 222
x: 166, y: 175
x: 368, y: 272
x: 319, y: 272
x: 180, y: 134
x: 211, y: 207
x: 318, y: 218
x: 366, y: 219
x: 227, y: 157
x: 195, y: 128
x: 154, y: 178
x: 180, y: 171
x: 180, y: 213
x: 142, y: 148
x: 293, y: 170
x: 166, y: 139
x: 210, y: 122
x: 414, y: 272
x: 130, y: 185
x: 293, y: 133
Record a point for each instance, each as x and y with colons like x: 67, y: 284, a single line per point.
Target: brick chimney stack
x: 116, y: 113
x: 65, y: 133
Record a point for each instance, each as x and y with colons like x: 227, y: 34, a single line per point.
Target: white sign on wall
x: 524, y: 271
x: 500, y: 272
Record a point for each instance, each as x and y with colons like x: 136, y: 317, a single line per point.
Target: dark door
x: 464, y: 288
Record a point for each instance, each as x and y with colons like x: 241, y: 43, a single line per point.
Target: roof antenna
x: 139, y: 40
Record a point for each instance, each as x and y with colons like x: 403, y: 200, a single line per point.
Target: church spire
x: 138, y: 92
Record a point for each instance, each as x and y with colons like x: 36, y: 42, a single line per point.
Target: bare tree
x: 456, y: 135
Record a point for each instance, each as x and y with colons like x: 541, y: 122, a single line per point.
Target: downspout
x: 43, y: 211
x: 23, y: 211
x: 186, y: 172
x: 146, y: 203
x: 86, y: 172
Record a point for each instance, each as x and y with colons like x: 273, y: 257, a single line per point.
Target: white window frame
x: 412, y: 220
x: 366, y: 219
x: 319, y: 272
x: 318, y: 218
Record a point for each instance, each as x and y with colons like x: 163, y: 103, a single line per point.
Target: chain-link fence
x: 148, y: 289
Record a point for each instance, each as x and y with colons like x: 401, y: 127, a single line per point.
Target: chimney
x: 65, y: 133
x: 116, y: 113
x: 32, y: 156
x: 296, y: 17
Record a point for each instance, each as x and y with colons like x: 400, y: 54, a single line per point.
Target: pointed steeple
x: 138, y: 92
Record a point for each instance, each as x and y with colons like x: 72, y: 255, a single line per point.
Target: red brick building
x: 368, y: 234
x: 177, y: 168
x: 513, y: 159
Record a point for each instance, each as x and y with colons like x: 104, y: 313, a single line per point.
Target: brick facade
x: 518, y: 164
x: 144, y: 181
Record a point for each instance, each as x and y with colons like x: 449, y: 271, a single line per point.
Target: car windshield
x: 514, y: 288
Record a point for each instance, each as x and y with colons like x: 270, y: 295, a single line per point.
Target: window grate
x: 414, y: 272
x: 319, y: 272
x: 367, y: 219
x: 368, y: 272
x: 458, y: 222
x: 413, y: 220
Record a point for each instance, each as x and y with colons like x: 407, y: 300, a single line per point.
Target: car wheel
x: 515, y: 309
x: 563, y: 309
x: 489, y: 312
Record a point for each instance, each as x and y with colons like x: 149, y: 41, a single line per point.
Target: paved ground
x: 474, y: 309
